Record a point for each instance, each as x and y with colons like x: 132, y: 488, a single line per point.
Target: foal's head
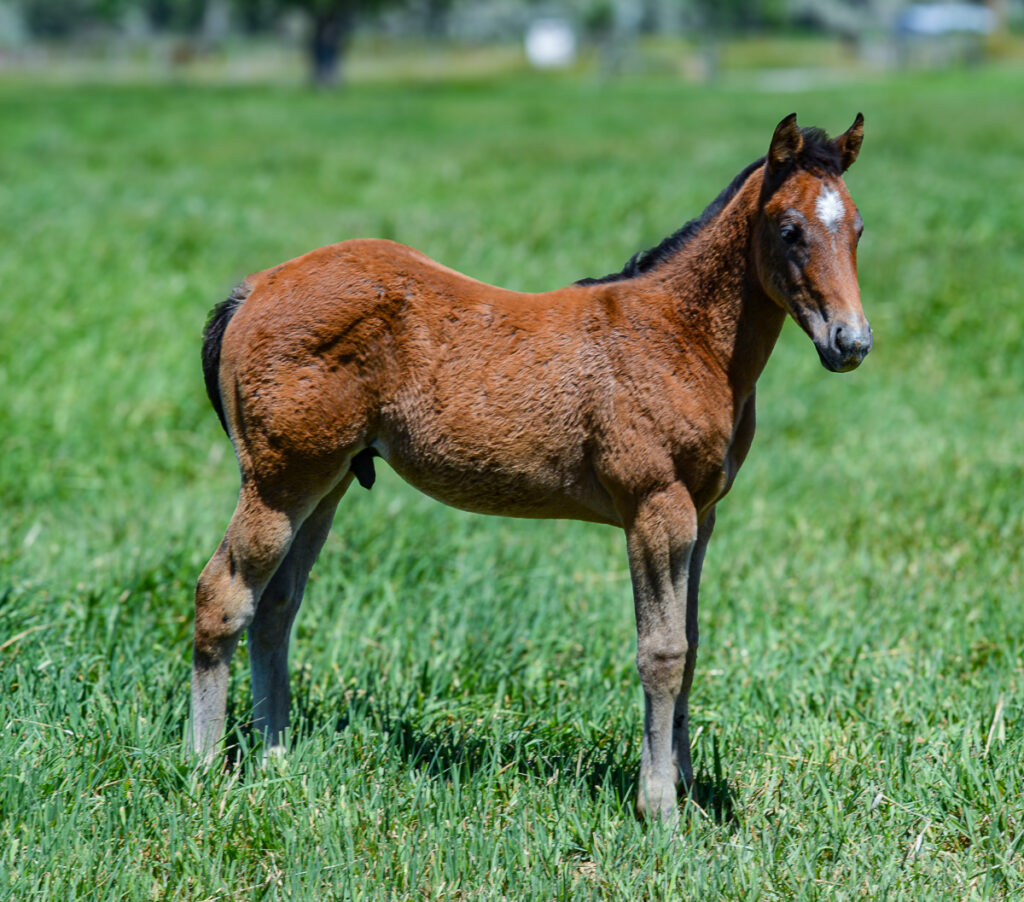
x: 806, y: 239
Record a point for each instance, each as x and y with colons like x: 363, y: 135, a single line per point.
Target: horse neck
x: 711, y: 284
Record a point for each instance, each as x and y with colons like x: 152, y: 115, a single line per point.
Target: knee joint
x: 222, y: 612
x: 662, y: 664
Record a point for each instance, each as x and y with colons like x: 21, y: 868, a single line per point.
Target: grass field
x: 467, y: 712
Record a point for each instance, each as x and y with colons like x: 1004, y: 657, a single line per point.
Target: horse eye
x: 790, y: 233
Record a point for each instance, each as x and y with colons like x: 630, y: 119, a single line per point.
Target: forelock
x: 819, y: 155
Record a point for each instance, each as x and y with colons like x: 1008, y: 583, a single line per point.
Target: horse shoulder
x: 669, y: 417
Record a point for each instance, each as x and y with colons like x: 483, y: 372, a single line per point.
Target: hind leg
x: 257, y: 540
x: 275, y: 614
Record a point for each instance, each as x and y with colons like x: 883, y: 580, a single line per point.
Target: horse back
x: 458, y: 384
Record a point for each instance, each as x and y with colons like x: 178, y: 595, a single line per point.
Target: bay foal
x: 626, y: 400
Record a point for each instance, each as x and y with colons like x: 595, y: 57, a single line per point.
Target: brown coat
x: 627, y: 401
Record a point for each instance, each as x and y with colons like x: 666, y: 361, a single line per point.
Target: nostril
x: 851, y: 340
x: 838, y: 338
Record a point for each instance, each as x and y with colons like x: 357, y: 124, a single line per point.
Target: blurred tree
x: 173, y: 15
x: 63, y: 18
x: 435, y: 17
x: 331, y: 25
x: 732, y: 15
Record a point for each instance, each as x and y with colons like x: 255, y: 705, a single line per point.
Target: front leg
x: 661, y: 537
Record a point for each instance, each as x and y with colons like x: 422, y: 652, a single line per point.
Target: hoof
x: 276, y: 756
x: 658, y: 805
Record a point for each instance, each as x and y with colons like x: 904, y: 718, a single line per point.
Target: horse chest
x: 717, y: 455
x: 718, y: 486
x: 739, y: 444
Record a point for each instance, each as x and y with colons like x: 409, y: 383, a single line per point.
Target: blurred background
x: 329, y: 41
x: 469, y: 682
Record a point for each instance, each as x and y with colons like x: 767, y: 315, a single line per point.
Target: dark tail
x: 213, y: 335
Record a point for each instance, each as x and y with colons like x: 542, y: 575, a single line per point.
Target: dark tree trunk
x: 435, y: 17
x: 649, y: 15
x: 327, y: 45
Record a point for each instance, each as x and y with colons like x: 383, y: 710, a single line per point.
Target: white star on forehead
x: 829, y: 208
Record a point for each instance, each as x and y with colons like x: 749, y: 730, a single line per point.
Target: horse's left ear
x: 849, y: 142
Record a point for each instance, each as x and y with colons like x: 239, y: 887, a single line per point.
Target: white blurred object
x: 930, y: 19
x: 550, y: 43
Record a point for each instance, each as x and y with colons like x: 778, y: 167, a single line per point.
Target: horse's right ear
x: 787, y: 142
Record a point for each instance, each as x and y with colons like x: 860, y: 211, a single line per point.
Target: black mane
x: 818, y: 155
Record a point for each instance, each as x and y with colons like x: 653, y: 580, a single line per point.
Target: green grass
x: 467, y: 714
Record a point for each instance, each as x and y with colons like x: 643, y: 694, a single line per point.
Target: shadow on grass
x: 602, y: 766
x: 715, y: 797
x: 449, y: 751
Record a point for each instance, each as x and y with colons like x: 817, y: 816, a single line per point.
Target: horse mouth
x: 839, y: 359
x: 844, y: 345
x: 841, y: 365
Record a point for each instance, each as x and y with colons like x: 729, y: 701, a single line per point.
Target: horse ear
x: 786, y: 144
x: 849, y: 142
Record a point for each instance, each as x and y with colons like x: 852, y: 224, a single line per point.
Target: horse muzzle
x: 845, y: 346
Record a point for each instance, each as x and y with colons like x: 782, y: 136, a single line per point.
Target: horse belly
x: 501, y: 473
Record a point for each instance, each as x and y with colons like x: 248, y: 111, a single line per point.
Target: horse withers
x: 626, y: 400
